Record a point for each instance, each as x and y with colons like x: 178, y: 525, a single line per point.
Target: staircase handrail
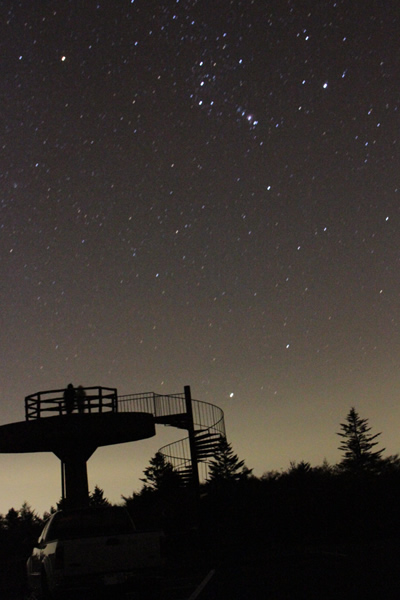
x: 207, y: 418
x: 154, y: 404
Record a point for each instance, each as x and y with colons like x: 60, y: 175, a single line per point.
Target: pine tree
x: 300, y: 469
x: 12, y: 519
x: 357, y: 445
x: 226, y: 465
x: 160, y: 475
x: 96, y: 498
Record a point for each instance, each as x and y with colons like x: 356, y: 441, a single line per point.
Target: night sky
x: 207, y: 194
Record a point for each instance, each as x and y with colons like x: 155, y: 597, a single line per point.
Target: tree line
x: 354, y: 500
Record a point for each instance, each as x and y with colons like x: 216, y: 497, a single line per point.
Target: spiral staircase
x: 204, y: 422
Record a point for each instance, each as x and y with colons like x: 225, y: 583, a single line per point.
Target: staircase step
x: 209, y: 448
x: 205, y: 454
x: 206, y: 434
x: 206, y: 442
x: 185, y: 470
x: 202, y: 455
x: 186, y: 477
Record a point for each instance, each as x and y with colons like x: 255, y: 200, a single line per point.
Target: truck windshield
x: 91, y: 523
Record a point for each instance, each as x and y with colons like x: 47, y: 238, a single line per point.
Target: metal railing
x: 52, y: 402
x: 158, y: 405
x: 207, y: 418
x: 205, y: 415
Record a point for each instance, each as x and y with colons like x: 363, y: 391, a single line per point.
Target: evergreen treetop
x: 160, y: 475
x: 226, y: 465
x: 357, y: 445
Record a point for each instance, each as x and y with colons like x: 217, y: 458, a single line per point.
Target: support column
x: 76, y: 481
x: 75, y: 487
x: 193, y: 450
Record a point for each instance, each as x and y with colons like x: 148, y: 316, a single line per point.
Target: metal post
x: 192, y: 440
x: 155, y: 411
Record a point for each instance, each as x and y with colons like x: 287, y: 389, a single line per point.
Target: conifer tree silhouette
x: 160, y: 475
x: 357, y: 445
x: 96, y: 498
x: 226, y: 465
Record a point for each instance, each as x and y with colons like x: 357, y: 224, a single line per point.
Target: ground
x: 366, y: 571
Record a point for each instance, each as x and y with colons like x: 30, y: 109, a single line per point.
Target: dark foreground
x: 367, y: 571
x: 311, y: 573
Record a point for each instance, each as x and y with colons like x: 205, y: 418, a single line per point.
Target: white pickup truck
x: 94, y: 549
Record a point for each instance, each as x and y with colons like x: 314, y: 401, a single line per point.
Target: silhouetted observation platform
x: 73, y: 422
x: 49, y: 428
x: 74, y: 435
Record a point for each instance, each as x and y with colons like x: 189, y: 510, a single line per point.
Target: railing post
x: 154, y: 405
